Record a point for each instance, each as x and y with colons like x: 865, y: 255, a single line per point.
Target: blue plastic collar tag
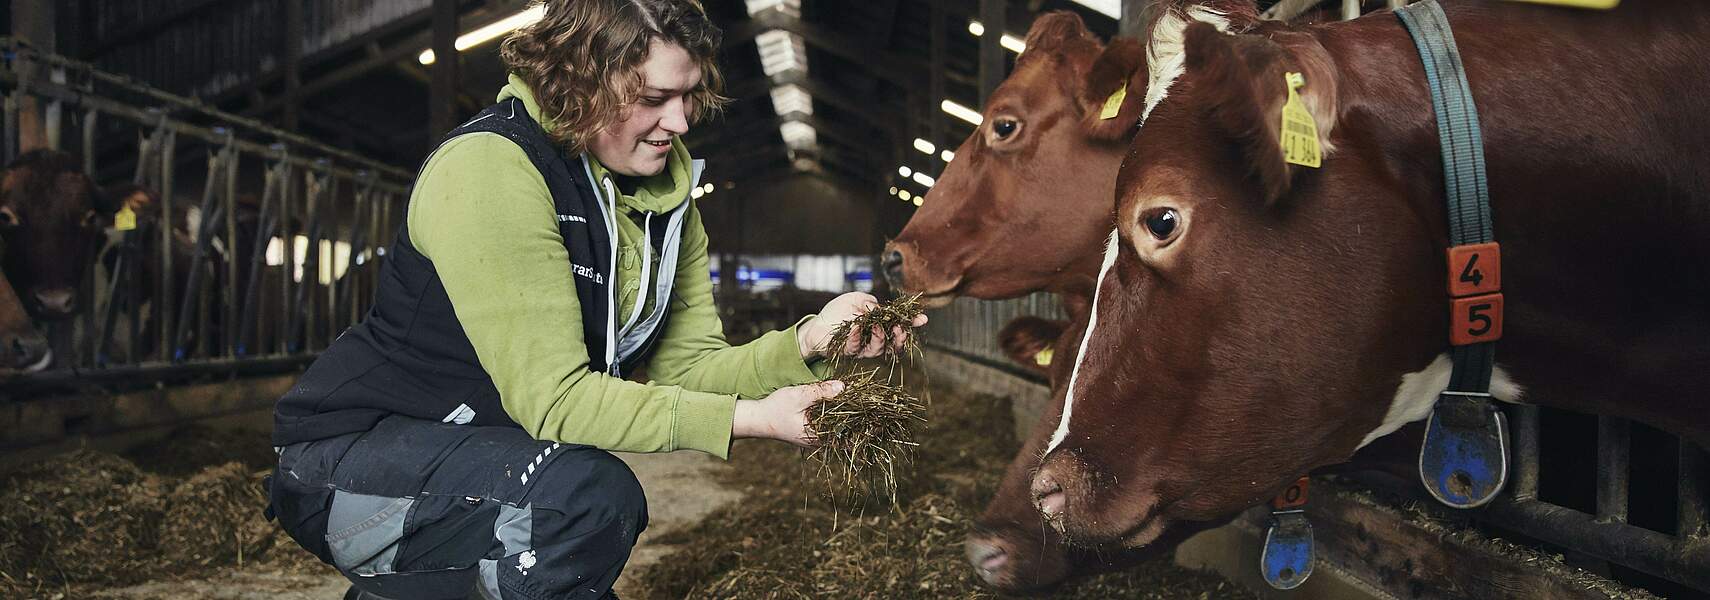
x: 1464, y: 460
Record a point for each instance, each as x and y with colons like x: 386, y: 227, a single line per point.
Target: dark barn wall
x: 797, y: 215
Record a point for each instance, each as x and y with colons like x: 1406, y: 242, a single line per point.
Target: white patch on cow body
x: 1166, y: 55
x: 1086, y: 336
x: 1418, y: 393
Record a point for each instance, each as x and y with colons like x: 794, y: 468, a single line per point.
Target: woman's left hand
x: 813, y: 337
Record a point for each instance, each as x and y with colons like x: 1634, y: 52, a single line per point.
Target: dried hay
x: 87, y: 520
x: 783, y: 544
x: 862, y: 435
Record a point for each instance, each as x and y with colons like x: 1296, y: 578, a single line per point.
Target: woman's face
x: 637, y: 144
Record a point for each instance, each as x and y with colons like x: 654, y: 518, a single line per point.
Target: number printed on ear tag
x: 1299, y: 130
x: 125, y: 219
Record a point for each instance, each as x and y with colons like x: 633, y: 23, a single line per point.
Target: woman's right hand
x: 783, y: 414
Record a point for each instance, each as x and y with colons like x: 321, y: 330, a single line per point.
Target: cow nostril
x: 61, y: 301
x: 891, y: 263
x: 1048, y: 496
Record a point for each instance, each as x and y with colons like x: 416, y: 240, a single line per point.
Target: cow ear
x: 1242, y: 81
x: 1028, y: 341
x: 1114, y: 91
x: 138, y: 198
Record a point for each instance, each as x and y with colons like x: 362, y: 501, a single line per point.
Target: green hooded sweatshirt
x: 483, y: 215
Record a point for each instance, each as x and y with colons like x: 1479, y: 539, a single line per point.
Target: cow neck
x: 1463, y: 462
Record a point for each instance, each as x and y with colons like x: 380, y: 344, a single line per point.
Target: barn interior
x: 282, y: 137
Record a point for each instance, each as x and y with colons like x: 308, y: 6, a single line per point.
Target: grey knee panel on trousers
x: 420, y: 509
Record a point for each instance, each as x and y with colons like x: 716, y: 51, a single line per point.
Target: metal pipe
x: 193, y: 287
x: 77, y: 378
x: 182, y: 102
x: 1614, y: 446
x: 1635, y: 547
x: 264, y: 220
x: 163, y: 300
x: 228, y: 315
x: 1694, y: 483
x: 328, y: 322
x: 152, y: 117
x: 1525, y: 486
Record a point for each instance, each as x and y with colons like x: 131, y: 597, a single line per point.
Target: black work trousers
x: 420, y: 509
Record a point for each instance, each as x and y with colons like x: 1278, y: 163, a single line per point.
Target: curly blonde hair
x: 583, y: 60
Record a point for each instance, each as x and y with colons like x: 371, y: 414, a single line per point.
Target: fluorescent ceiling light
x: 1014, y: 44
x: 790, y: 7
x: 904, y: 194
x: 924, y: 146
x: 905, y: 171
x: 1109, y: 8
x: 707, y: 188
x: 947, y: 155
x: 781, y: 52
x: 487, y: 33
x: 696, y: 193
x: 790, y: 98
x: 798, y: 135
x: 961, y: 112
x: 918, y: 200
x: 924, y: 179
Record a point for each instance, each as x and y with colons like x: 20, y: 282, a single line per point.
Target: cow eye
x: 1004, y: 128
x: 8, y: 218
x: 1163, y: 223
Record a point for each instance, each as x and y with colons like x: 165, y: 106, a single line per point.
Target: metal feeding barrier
x: 1674, y: 547
x: 276, y: 254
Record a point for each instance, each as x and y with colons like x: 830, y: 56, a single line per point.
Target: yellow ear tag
x: 1592, y: 4
x: 1113, y: 104
x: 125, y: 219
x: 1299, y: 131
x: 1043, y: 357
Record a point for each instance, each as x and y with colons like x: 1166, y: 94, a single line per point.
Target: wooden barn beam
x: 992, y: 60
x: 881, y: 62
x: 882, y: 116
x: 442, y: 94
x: 293, y: 67
x: 153, y: 24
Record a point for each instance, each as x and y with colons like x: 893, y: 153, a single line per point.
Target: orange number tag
x: 1475, y: 320
x: 1475, y: 269
x: 1292, y: 497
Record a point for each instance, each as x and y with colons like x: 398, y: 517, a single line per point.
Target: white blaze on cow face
x: 1081, y: 354
x: 1166, y: 58
x: 1418, y: 393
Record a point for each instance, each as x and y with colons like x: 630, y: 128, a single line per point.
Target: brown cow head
x: 1025, y: 203
x: 51, y: 215
x: 1248, y: 310
x: 22, y: 346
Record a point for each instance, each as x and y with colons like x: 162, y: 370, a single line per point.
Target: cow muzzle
x: 1016, y: 561
x: 1089, y: 508
x: 55, y: 302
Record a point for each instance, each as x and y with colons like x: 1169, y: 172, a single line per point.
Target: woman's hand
x: 813, y: 337
x: 782, y: 415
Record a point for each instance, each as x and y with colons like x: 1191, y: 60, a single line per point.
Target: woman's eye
x: 1005, y: 128
x: 652, y: 101
x: 1163, y: 223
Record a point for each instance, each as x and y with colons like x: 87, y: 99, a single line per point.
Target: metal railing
x: 1680, y: 554
x: 276, y: 253
x: 969, y: 327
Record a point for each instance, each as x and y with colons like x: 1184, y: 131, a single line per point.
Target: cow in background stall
x: 51, y: 216
x: 143, y: 258
x: 1248, y: 311
x: 22, y: 346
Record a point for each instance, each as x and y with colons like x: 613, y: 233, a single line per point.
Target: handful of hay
x: 883, y: 322
x: 864, y: 432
